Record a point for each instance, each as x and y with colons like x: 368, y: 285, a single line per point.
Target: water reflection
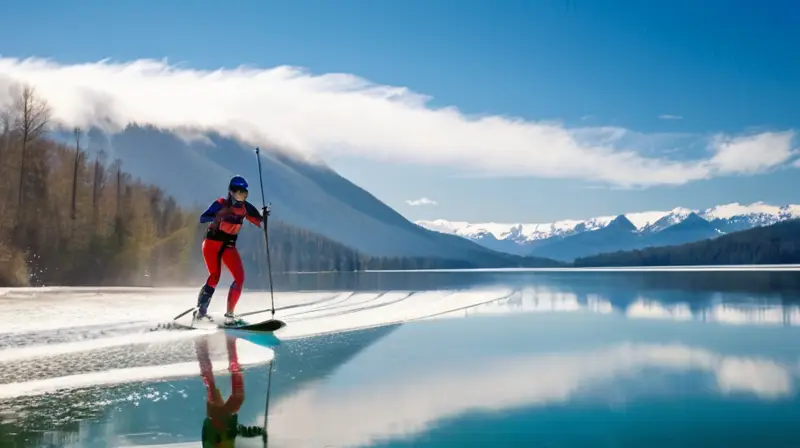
x: 221, y: 426
x: 416, y: 403
x: 566, y: 360
x: 425, y: 383
x: 431, y: 375
x: 749, y: 310
x: 173, y: 410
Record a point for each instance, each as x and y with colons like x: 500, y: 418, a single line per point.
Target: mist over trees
x: 69, y: 219
x: 69, y: 216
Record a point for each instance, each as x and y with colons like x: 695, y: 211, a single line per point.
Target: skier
x: 226, y: 216
x: 221, y: 426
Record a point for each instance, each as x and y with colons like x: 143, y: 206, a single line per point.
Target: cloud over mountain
x: 342, y: 114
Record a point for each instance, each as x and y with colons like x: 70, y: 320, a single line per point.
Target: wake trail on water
x: 61, y: 338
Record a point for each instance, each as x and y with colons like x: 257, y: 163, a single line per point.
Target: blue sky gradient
x: 722, y: 66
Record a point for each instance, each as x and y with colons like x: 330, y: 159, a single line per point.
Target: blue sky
x: 722, y: 66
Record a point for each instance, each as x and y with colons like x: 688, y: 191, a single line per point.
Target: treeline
x: 295, y: 249
x: 775, y: 244
x: 69, y: 219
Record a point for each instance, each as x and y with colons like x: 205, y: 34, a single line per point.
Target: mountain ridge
x: 566, y: 240
x: 726, y: 217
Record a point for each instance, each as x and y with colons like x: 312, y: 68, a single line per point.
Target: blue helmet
x: 237, y: 183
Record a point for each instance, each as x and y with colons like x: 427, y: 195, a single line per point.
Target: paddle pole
x: 266, y: 407
x: 265, y: 210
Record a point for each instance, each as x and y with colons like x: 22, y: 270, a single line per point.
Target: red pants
x: 219, y: 410
x: 214, y: 254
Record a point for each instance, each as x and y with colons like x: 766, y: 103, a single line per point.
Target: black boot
x: 203, y: 300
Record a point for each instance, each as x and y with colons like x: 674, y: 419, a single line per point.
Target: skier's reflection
x: 221, y: 425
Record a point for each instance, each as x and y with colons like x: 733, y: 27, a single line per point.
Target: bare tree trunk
x: 99, y: 185
x: 119, y: 205
x: 5, y: 163
x: 33, y: 115
x: 77, y: 132
x: 95, y: 191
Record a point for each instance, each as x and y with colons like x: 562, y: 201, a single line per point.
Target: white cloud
x: 752, y: 154
x: 342, y: 114
x: 323, y: 414
x: 670, y: 117
x: 421, y: 201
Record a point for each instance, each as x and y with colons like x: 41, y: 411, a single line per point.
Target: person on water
x: 226, y: 216
x: 221, y: 426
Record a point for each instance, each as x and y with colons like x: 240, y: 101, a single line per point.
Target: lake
x: 413, y: 359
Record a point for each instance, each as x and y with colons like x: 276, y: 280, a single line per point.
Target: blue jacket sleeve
x: 252, y: 214
x: 211, y: 212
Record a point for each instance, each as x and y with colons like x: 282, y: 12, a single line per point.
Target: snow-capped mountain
x: 734, y: 217
x: 668, y: 219
x: 525, y: 239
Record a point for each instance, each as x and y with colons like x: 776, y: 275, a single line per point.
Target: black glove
x: 265, y: 211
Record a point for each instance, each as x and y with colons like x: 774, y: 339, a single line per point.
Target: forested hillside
x: 775, y: 244
x: 68, y: 218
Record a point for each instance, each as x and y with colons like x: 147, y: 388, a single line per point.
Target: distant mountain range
x: 570, y: 239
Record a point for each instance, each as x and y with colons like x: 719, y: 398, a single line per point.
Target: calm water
x: 500, y: 359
